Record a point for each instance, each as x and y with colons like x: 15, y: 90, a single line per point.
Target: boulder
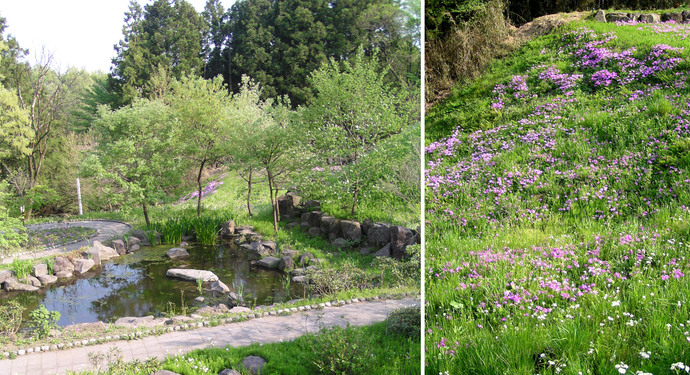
x: 5, y: 274
x: 83, y: 265
x: 314, y: 232
x: 650, y: 18
x: 86, y: 327
x: 365, y: 250
x: 290, y: 253
x: 253, y: 364
x: 228, y: 371
x: 366, y: 225
x: 615, y: 17
x: 352, y: 230
x: 47, y: 279
x: 299, y: 279
x: 304, y: 258
x: 120, y: 247
x: 384, y: 252
x: 133, y: 241
x: 600, y: 16
x: 63, y: 274
x: 30, y: 280
x: 298, y: 272
x: 213, y: 310
x: 219, y: 287
x: 288, y: 204
x: 676, y: 17
x: 133, y: 249
x: 304, y: 226
x: 104, y: 252
x: 193, y: 275
x: 315, y: 219
x: 177, y: 252
x: 326, y: 223
x: 63, y: 264
x: 12, y: 284
x: 240, y: 309
x: 239, y: 239
x: 144, y: 321
x: 332, y: 236
x: 401, y: 237
x: 244, y: 229
x: 312, y: 205
x: 634, y: 16
x: 269, y: 262
x: 686, y: 15
x: 286, y: 264
x: 227, y: 229
x: 40, y: 270
x: 235, y: 299
x: 257, y: 251
x: 378, y: 235
x: 304, y: 218
x: 164, y: 372
x: 270, y: 245
x: 334, y: 228
x: 340, y: 243
x: 291, y: 225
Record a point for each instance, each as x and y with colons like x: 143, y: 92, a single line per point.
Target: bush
x: 43, y: 321
x: 406, y: 321
x: 342, y: 351
x: 10, y: 318
x: 330, y: 281
x: 22, y: 268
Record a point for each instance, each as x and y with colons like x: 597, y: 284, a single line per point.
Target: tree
x: 267, y: 139
x: 352, y: 112
x: 138, y: 149
x: 163, y: 33
x: 200, y: 107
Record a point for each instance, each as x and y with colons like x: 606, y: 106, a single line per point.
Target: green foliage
x: 15, y: 132
x: 206, y: 230
x: 12, y: 232
x: 112, y: 363
x: 10, y: 318
x: 152, y: 237
x: 406, y: 321
x: 42, y: 321
x: 395, y: 272
x: 352, y: 113
x: 22, y: 268
x: 341, y: 351
x: 329, y: 281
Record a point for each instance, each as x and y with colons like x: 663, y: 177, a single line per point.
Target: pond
x: 136, y: 285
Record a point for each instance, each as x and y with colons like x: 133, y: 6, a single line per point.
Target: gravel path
x: 106, y: 230
x: 260, y: 330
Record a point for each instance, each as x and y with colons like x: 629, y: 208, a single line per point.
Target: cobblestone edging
x: 95, y: 234
x: 198, y: 323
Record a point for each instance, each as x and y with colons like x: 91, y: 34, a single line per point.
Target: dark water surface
x: 136, y: 285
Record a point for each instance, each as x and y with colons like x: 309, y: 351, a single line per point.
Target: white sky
x: 80, y: 33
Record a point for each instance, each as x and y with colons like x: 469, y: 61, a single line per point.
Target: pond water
x: 136, y: 285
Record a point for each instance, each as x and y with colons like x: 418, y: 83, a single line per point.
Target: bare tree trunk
x: 249, y: 193
x: 146, y: 215
x: 198, y: 181
x: 273, y: 203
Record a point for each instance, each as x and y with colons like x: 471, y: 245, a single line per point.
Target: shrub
x: 10, y: 318
x: 331, y: 281
x: 43, y: 320
x: 406, y: 321
x: 22, y: 268
x: 342, y: 351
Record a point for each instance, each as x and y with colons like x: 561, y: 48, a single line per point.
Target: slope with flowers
x: 558, y: 209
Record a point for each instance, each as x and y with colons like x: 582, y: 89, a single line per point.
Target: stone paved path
x: 259, y: 330
x: 107, y: 230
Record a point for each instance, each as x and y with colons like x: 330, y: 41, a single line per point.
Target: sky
x: 80, y: 33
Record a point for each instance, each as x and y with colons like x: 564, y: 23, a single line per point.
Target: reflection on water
x: 136, y: 285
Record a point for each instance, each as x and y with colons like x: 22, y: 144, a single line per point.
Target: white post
x: 79, y: 196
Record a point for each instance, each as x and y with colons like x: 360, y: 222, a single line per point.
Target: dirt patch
x: 545, y: 25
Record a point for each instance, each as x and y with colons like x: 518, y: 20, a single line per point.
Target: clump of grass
x: 22, y: 268
x: 206, y: 230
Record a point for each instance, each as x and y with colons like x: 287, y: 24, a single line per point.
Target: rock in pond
x: 193, y: 275
x: 269, y: 262
x: 40, y: 270
x: 12, y: 284
x: 63, y: 264
x: 177, y: 252
x: 47, y: 279
x: 83, y: 265
x: 219, y: 287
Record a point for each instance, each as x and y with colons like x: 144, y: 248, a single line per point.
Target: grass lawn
x: 558, y: 204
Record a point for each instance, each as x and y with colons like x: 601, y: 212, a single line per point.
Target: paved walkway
x: 106, y: 230
x: 260, y: 330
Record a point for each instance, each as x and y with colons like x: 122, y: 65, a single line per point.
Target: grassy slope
x: 526, y: 279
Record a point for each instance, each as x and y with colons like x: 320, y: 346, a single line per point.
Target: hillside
x: 557, y: 208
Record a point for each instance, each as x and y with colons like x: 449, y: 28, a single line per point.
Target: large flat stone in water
x: 269, y: 262
x: 145, y: 321
x: 193, y: 275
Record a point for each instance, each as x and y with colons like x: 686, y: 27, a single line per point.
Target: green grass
x: 392, y: 354
x: 566, y: 251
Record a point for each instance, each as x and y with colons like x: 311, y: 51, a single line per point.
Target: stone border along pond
x: 148, y: 325
x: 382, y: 240
x: 678, y: 17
